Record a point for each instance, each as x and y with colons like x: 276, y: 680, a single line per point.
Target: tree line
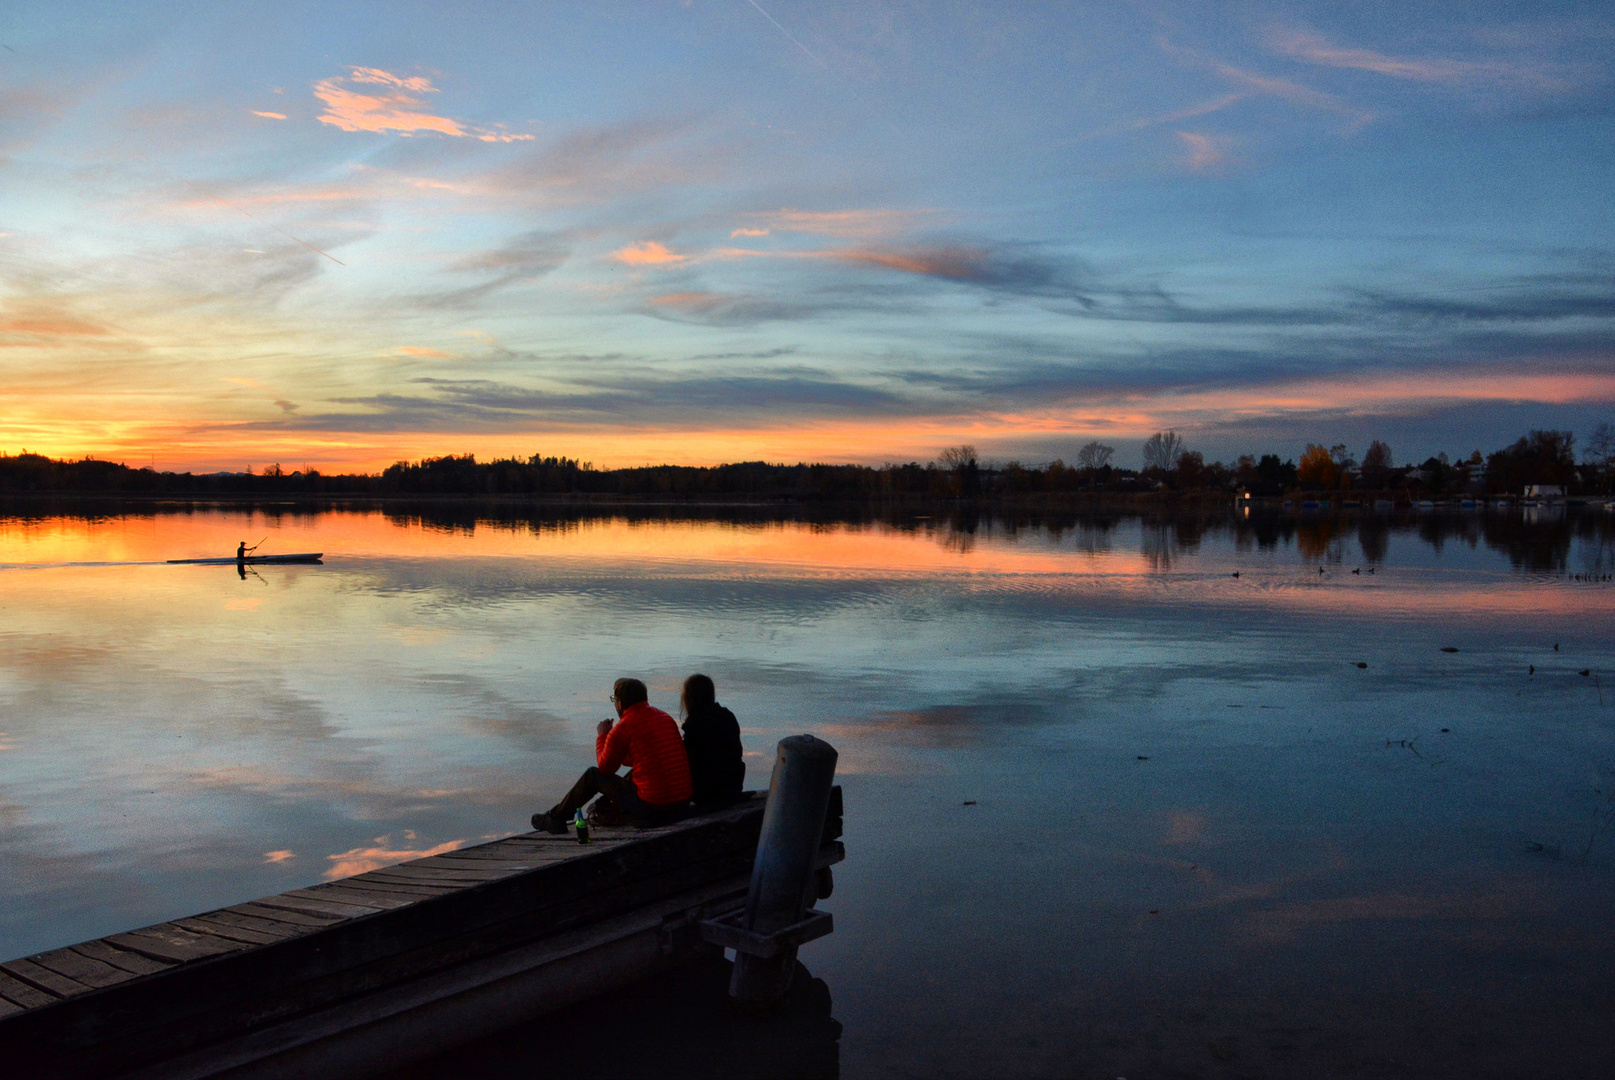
x: 1540, y: 457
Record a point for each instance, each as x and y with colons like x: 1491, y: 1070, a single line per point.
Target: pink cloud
x: 1271, y: 86
x: 1206, y: 152
x: 1177, y: 116
x: 395, y: 107
x: 649, y: 253
x: 748, y: 232
x: 838, y: 223
x: 269, y: 115
x: 960, y: 264
x: 1318, y: 50
x: 422, y: 352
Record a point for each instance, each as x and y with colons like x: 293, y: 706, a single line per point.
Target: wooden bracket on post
x: 726, y: 930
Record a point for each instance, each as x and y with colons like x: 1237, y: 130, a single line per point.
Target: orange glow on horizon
x: 233, y: 444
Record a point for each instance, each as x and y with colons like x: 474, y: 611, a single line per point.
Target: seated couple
x: 665, y: 772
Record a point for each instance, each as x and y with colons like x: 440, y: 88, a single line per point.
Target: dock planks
x: 505, y: 929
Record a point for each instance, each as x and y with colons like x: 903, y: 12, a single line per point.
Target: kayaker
x: 712, y: 744
x: 656, y: 789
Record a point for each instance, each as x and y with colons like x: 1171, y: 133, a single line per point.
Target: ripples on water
x: 1204, y: 839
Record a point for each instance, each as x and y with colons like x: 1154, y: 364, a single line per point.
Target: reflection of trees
x: 1155, y: 544
x: 1374, y: 537
x: 1542, y: 545
x: 1094, y: 538
x: 1268, y: 530
x: 1317, y: 539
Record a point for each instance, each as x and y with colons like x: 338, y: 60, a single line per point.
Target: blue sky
x: 706, y: 231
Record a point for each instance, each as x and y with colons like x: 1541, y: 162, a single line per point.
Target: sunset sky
x: 709, y: 230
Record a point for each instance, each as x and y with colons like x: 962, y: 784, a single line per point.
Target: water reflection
x: 676, y: 1025
x: 1580, y: 540
x: 1117, y: 781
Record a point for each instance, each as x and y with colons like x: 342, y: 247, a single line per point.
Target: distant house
x: 1544, y: 492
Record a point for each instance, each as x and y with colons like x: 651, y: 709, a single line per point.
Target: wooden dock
x: 353, y: 976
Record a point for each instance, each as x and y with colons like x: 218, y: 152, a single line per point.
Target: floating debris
x: 1532, y: 670
x: 1584, y: 672
x: 1141, y: 757
x: 970, y: 802
x: 1445, y: 730
x: 1361, y: 664
x: 1449, y: 648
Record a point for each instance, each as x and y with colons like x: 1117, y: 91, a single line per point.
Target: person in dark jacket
x: 712, y: 744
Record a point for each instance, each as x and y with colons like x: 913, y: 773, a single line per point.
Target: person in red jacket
x: 655, y: 791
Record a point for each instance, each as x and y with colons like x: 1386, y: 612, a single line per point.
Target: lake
x: 1112, y: 810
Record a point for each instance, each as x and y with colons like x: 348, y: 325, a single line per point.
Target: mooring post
x: 793, y: 823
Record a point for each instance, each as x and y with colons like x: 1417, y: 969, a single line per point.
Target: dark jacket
x: 712, y: 743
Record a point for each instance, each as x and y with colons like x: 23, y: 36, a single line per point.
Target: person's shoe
x: 545, y: 823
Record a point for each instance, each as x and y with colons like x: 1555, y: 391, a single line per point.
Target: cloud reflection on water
x: 443, y: 675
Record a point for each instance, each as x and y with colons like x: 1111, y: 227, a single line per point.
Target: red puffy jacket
x: 647, y: 740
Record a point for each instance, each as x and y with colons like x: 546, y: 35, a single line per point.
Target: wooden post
x: 783, y: 873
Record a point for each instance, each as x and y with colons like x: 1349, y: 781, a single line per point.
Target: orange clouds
x: 226, y: 439
x: 269, y: 115
x: 689, y: 301
x: 959, y: 264
x: 47, y: 325
x: 395, y: 107
x: 649, y: 253
x: 423, y: 352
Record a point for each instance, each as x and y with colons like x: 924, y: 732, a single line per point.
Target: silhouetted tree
x: 1095, y: 455
x: 1376, y: 464
x: 1600, y: 454
x: 1542, y: 457
x: 1191, y: 471
x: 1161, y: 450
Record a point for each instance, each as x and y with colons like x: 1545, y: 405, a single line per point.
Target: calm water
x: 1204, y: 841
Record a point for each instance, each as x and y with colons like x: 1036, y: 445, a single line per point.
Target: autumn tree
x: 1318, y: 467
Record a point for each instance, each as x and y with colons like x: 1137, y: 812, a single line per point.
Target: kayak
x: 255, y: 560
